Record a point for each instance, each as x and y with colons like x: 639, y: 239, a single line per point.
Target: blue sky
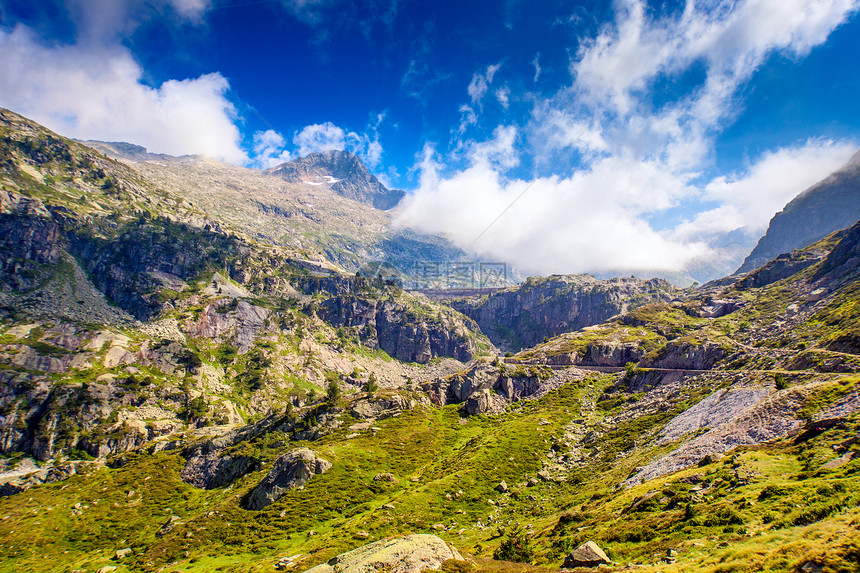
x: 626, y: 135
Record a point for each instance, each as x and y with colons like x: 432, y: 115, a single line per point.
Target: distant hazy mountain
x: 827, y: 206
x: 346, y: 174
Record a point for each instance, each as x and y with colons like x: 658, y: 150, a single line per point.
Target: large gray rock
x: 408, y: 554
x: 290, y: 471
x: 589, y: 554
x: 485, y: 402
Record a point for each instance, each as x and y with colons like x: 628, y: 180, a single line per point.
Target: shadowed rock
x: 290, y: 471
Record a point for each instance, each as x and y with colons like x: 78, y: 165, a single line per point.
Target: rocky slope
x: 827, y: 206
x: 524, y: 315
x: 322, y: 205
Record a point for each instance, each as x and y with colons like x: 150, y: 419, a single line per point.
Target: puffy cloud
x: 90, y: 91
x: 319, y: 137
x: 327, y: 136
x: 592, y: 221
x: 269, y: 149
x: 748, y: 200
x: 640, y: 155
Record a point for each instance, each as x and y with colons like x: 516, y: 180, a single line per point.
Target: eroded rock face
x: 485, y: 402
x: 407, y: 554
x: 679, y: 355
x: 396, y: 330
x: 290, y: 471
x: 521, y: 317
x: 209, y: 469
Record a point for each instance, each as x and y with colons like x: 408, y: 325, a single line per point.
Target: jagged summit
x: 345, y: 172
x: 831, y: 204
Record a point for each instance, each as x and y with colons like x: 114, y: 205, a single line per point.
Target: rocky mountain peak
x: 830, y: 205
x: 346, y: 174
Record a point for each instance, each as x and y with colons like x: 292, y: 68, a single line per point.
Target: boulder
x: 589, y: 554
x: 407, y: 554
x: 385, y: 477
x: 711, y: 459
x: 209, y: 468
x: 290, y: 471
x: 485, y: 402
x: 502, y: 487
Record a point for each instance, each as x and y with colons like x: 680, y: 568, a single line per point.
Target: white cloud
x: 641, y: 156
x: 192, y: 9
x: 327, y: 136
x: 749, y: 200
x: 589, y: 222
x: 503, y: 94
x: 95, y: 92
x: 269, y: 149
x: 319, y: 137
x: 480, y: 83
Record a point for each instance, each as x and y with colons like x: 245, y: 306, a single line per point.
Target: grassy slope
x: 802, y: 512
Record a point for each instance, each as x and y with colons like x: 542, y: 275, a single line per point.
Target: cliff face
x: 521, y: 317
x: 827, y: 206
x: 400, y: 331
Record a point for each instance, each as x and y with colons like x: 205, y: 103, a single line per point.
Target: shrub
x: 516, y: 546
x: 371, y: 385
x: 332, y: 388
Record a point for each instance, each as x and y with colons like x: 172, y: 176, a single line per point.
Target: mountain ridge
x: 830, y: 205
x: 348, y: 176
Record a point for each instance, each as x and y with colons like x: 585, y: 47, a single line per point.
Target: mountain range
x: 199, y: 371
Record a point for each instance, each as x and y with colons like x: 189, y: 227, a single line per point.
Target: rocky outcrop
x: 16, y: 482
x: 209, y: 468
x: 829, y: 205
x: 407, y: 554
x: 486, y: 388
x: 779, y: 268
x: 290, y: 471
x: 239, y: 322
x: 29, y: 238
x: 380, y: 408
x: 485, y: 402
x: 399, y: 331
x: 521, y: 317
x: 346, y: 174
x: 843, y: 262
x: 686, y: 355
